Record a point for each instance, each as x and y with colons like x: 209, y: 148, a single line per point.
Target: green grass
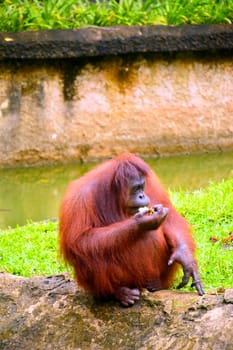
x: 32, y: 249
x: 210, y: 212
x: 19, y: 15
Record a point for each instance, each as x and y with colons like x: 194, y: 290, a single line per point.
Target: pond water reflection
x: 35, y: 193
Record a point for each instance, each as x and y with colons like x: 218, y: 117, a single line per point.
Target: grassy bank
x: 62, y: 14
x: 32, y: 249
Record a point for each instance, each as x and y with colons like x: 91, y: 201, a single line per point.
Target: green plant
x: 18, y: 15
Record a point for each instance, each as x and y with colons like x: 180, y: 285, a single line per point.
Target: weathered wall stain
x: 83, y: 108
x: 96, y: 109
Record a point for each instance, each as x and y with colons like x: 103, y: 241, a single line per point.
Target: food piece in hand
x: 146, y: 210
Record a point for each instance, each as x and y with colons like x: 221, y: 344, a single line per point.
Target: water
x: 35, y: 193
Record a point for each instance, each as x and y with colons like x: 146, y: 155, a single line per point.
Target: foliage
x: 32, y: 249
x: 211, y: 214
x: 18, y: 15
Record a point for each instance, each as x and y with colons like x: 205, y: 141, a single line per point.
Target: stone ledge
x: 99, y: 41
x: 52, y: 313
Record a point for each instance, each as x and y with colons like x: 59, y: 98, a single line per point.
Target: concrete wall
x: 93, y: 106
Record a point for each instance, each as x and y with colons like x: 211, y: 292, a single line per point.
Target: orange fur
x: 104, y: 246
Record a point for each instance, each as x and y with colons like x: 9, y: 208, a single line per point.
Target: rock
x: 228, y: 296
x: 52, y: 313
x: 103, y: 41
